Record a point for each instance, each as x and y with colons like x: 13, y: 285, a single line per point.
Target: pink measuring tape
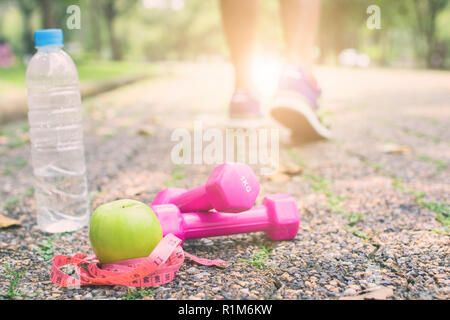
x: 160, y: 267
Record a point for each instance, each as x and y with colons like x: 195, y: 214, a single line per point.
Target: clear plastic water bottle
x: 56, y: 134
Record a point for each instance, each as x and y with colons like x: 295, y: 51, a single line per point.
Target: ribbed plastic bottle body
x: 56, y: 134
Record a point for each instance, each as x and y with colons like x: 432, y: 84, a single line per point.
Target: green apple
x: 124, y: 229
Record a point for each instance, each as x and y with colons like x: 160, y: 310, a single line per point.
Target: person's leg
x: 295, y: 104
x: 300, y: 19
x: 240, y: 21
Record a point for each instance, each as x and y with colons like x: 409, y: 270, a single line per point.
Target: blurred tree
x: 393, y: 42
x: 48, y: 18
x: 337, y: 31
x: 59, y: 11
x: 413, y: 33
x: 172, y: 32
x: 112, y: 9
x: 27, y: 7
x: 408, y: 30
x: 95, y: 26
x: 3, y: 6
x: 426, y: 16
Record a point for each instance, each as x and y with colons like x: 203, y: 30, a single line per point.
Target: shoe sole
x: 292, y: 111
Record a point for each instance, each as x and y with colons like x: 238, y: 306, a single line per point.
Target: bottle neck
x: 50, y: 48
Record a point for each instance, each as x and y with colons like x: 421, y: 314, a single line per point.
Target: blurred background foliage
x: 414, y: 33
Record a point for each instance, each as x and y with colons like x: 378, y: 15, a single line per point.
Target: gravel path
x: 374, y: 201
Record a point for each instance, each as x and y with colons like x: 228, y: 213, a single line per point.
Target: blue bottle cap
x: 48, y: 37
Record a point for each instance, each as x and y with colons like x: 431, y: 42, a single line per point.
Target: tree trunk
x: 27, y: 35
x: 426, y: 23
x: 48, y: 19
x: 110, y: 14
x: 95, y: 27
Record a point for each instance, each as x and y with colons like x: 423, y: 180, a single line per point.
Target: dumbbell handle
x: 193, y: 200
x: 278, y: 216
x: 201, y: 225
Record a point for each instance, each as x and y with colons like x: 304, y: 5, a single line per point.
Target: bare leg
x: 300, y: 19
x: 240, y: 19
x: 296, y: 103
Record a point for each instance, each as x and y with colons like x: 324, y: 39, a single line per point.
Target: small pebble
x: 349, y: 292
x: 192, y: 270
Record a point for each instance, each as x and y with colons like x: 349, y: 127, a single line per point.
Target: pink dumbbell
x: 231, y: 187
x: 278, y: 216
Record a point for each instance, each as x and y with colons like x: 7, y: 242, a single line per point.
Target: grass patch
x: 29, y: 192
x: 440, y: 231
x: 322, y: 186
x: 438, y: 163
x: 13, y: 276
x: 106, y: 70
x: 15, y: 135
x: 65, y: 233
x: 319, y: 184
x: 9, y: 168
x: 354, y: 218
x: 259, y: 258
x: 294, y: 154
x: 442, y: 209
x: 356, y: 232
x: 46, y: 249
x: 11, y: 203
x: 178, y: 173
x: 87, y: 70
x: 397, y: 183
x: 445, y: 221
x: 374, y: 165
x: 420, y: 135
x: 14, y: 76
x: 136, y: 294
x: 409, y: 131
x: 438, y: 207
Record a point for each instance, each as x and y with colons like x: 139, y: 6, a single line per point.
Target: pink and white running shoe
x: 295, y: 105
